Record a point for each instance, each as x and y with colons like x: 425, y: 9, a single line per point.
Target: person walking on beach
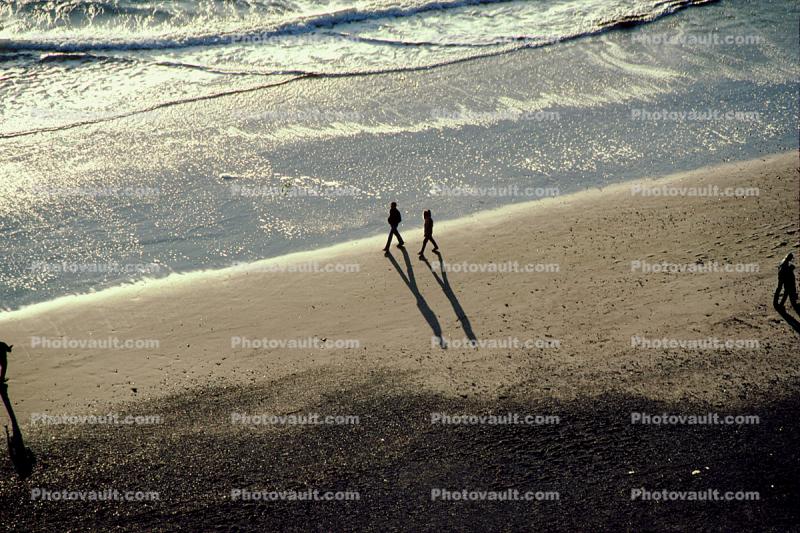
x: 21, y: 457
x: 5, y: 349
x: 394, y: 221
x: 426, y: 216
x: 787, y: 282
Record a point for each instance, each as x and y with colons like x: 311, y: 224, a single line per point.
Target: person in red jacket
x: 426, y: 215
x: 394, y: 221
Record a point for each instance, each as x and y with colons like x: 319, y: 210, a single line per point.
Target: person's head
x: 788, y: 259
x: 394, y: 205
x: 426, y: 214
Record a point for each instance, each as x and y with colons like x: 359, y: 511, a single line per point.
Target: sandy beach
x: 571, y: 312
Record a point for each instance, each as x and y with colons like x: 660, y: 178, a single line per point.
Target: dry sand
x: 397, y: 376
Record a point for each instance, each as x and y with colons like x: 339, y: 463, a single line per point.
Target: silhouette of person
x: 21, y: 457
x: 787, y: 282
x: 5, y: 349
x: 426, y: 215
x: 394, y: 221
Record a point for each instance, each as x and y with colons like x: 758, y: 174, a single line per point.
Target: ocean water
x: 143, y: 138
x: 62, y: 58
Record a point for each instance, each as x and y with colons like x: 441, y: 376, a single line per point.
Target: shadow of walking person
x: 444, y: 283
x: 788, y: 318
x: 422, y: 305
x: 21, y: 457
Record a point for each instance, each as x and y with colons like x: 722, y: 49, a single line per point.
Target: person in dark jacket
x: 787, y: 282
x: 394, y: 221
x: 426, y: 216
x: 5, y: 349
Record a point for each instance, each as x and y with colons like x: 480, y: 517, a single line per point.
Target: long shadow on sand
x: 395, y: 458
x: 788, y: 318
x: 422, y: 305
x: 21, y: 457
x: 444, y: 283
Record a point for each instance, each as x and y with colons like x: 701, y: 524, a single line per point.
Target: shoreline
x: 196, y: 223
x: 570, y: 329
x: 182, y: 279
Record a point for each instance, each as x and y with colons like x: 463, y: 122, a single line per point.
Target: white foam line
x: 367, y: 244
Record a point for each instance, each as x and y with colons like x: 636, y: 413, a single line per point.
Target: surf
x: 82, y: 39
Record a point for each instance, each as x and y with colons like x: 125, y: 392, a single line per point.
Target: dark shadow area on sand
x: 444, y: 283
x: 792, y: 321
x: 394, y: 458
x: 411, y: 283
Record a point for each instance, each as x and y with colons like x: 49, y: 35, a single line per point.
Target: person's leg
x: 792, y: 294
x: 400, y: 241
x: 435, y: 246
x: 389, y: 240
x: 424, y: 243
x: 776, y: 298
